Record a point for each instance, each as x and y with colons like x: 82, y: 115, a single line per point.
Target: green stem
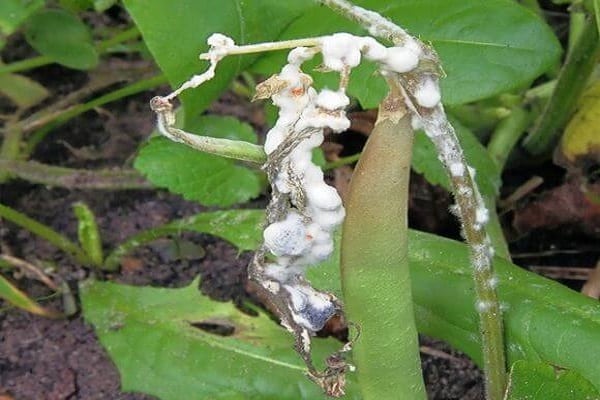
x: 507, y: 134
x: 342, y: 161
x: 121, y: 37
x: 10, y: 149
x: 49, y: 175
x: 24, y: 65
x: 39, y: 61
x: 45, y: 232
x: 374, y: 262
x: 572, y: 80
x: 235, y: 149
x: 62, y: 117
x: 114, y: 258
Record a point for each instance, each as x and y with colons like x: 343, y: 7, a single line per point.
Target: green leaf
x: 21, y: 90
x: 103, y: 5
x: 150, y: 334
x: 62, y: 37
x: 239, y: 227
x: 486, y: 47
x: 176, y: 33
x: 426, y: 162
x: 14, y: 12
x: 75, y: 6
x: 87, y: 231
x: 544, y: 320
x: 539, y: 381
x: 19, y: 299
x: 206, y: 178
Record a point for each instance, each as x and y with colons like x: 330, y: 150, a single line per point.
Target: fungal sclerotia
x: 304, y: 212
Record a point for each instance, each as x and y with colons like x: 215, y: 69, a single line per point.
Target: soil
x: 62, y: 359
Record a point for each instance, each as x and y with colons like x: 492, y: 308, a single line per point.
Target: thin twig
x: 32, y: 269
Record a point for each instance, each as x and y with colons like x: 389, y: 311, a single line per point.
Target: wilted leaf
x: 539, y: 381
x: 22, y: 91
x: 486, y: 47
x: 19, y: 299
x: 580, y: 144
x: 206, y: 178
x: 62, y: 37
x: 152, y: 336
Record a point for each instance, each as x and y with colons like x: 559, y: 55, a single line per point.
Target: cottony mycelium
x: 304, y: 212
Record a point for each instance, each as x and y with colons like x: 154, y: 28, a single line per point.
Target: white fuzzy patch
x: 457, y: 169
x: 340, y: 51
x: 330, y: 100
x: 428, y: 93
x: 401, y: 59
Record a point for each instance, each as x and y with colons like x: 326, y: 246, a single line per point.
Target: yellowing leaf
x: 581, y: 140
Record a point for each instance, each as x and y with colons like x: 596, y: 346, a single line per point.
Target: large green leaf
x: 150, y: 334
x: 538, y: 381
x: 62, y: 37
x: 209, y: 179
x: 486, y: 47
x: 544, y: 320
x: 176, y: 32
x: 14, y: 12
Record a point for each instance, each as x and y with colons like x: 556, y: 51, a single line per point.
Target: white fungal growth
x: 457, y: 169
x: 482, y: 215
x: 402, y: 58
x: 482, y: 306
x: 428, y: 93
x: 330, y: 100
x: 340, y: 51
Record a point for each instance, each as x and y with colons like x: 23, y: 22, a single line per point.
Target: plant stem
x: 39, y: 61
x: 10, y: 148
x: 507, y: 134
x: 470, y: 205
x: 49, y: 175
x: 235, y: 149
x: 45, y: 232
x: 63, y: 116
x: 572, y: 80
x: 342, y: 161
x: 375, y: 238
x: 24, y: 65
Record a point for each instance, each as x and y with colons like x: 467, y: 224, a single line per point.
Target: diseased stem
x: 44, y: 232
x: 236, y: 149
x: 473, y: 214
x: 572, y: 80
x: 49, y: 175
x: 470, y: 205
x: 375, y: 238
